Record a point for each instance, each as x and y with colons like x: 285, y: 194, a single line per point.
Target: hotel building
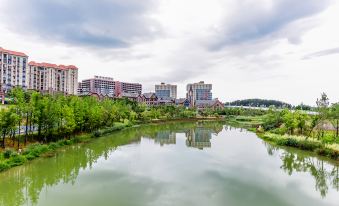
x: 125, y: 87
x: 164, y: 91
x: 97, y: 84
x: 52, y: 78
x: 198, y: 91
x: 13, y: 69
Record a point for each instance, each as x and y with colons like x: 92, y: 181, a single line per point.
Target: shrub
x: 307, y: 145
x: 53, y: 146
x: 328, y: 152
x: 35, y: 149
x: 96, y: 134
x: 8, y: 153
x: 30, y: 156
x: 3, y: 166
x: 68, y: 142
x: 291, y: 142
x: 17, y: 160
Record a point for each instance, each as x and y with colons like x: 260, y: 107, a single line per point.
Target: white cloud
x: 245, y: 48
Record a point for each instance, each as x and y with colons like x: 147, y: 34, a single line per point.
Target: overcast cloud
x: 276, y: 49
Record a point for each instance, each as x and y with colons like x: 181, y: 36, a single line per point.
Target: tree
x: 301, y: 121
x: 8, y: 120
x: 289, y: 121
x: 334, y: 117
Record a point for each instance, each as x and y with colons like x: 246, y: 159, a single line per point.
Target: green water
x: 174, y: 164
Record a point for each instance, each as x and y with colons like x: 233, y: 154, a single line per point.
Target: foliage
x: 260, y: 103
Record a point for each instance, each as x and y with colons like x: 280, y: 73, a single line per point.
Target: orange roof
x: 44, y: 64
x: 13, y: 52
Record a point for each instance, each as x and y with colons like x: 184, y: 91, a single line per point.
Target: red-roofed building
x: 52, y: 78
x: 13, y: 66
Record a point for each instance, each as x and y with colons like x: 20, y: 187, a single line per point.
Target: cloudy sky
x: 275, y: 49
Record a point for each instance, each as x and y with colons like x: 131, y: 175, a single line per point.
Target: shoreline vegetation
x: 322, y: 143
x: 10, y: 158
x: 52, y: 121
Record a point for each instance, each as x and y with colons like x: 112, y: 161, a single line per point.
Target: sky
x: 273, y: 49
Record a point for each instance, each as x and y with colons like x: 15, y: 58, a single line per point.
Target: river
x: 197, y: 163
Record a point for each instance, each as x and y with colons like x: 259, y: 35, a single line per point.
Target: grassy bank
x: 303, y: 143
x: 319, y: 147
x: 247, y: 122
x: 10, y: 158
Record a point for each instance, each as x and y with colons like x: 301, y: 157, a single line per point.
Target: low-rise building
x: 150, y: 99
x: 214, y: 104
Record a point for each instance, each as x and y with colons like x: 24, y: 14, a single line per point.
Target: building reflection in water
x: 200, y: 136
x: 165, y: 137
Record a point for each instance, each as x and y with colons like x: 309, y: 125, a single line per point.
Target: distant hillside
x: 259, y: 103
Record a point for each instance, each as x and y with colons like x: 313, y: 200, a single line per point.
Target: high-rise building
x: 166, y: 91
x: 52, y: 78
x: 13, y: 68
x: 125, y: 87
x: 198, y: 91
x: 98, y: 84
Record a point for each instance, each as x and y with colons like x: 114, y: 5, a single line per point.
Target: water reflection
x: 294, y: 161
x: 166, y: 137
x: 23, y: 185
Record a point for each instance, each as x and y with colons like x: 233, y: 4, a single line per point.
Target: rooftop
x: 49, y: 65
x: 13, y: 52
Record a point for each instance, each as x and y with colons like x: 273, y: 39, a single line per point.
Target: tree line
x: 45, y: 118
x: 301, y: 123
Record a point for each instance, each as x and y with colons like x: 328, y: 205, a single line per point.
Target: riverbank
x: 252, y: 123
x: 11, y: 158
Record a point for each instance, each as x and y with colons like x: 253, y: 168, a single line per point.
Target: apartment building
x: 97, y: 84
x: 52, y: 78
x: 125, y: 87
x: 198, y: 91
x: 13, y: 69
x: 165, y: 91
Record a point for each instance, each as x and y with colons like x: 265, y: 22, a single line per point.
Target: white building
x: 52, y: 78
x: 166, y: 91
x: 13, y: 68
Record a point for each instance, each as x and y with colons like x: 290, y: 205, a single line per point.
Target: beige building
x: 52, y: 78
x: 198, y: 91
x: 13, y: 69
x: 166, y: 90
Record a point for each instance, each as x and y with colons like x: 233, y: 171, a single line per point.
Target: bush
x: 96, y: 134
x: 307, y: 145
x: 53, y: 146
x: 328, y: 152
x: 291, y: 142
x: 30, y: 157
x: 17, y: 160
x: 35, y: 150
x: 3, y: 166
x: 68, y: 142
x: 8, y: 153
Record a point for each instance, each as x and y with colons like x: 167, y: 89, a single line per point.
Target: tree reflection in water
x: 23, y: 184
x: 324, y: 174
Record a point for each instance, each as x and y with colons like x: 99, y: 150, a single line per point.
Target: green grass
x: 248, y: 122
x: 327, y: 145
x: 304, y: 143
